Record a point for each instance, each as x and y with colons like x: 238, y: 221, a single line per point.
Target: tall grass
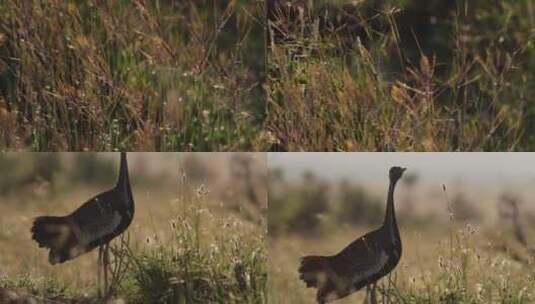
x: 137, y: 75
x: 420, y: 77
x: 192, y: 76
x: 198, y: 265
x: 452, y: 262
x: 188, y: 243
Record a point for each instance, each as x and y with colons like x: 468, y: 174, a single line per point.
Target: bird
x: 362, y: 263
x: 94, y: 224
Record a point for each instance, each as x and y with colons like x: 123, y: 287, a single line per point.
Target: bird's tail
x: 50, y: 231
x: 313, y: 270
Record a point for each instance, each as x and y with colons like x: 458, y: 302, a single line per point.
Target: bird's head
x: 396, y: 173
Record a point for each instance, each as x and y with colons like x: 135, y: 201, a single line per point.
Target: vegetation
x: 422, y: 75
x: 297, y: 208
x: 446, y: 258
x: 311, y: 205
x: 185, y: 248
x: 459, y: 270
x: 194, y: 75
x: 136, y: 75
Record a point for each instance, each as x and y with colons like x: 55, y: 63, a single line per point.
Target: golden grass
x: 431, y: 266
x: 172, y: 214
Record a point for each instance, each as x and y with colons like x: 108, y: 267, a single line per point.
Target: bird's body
x: 93, y: 224
x: 361, y: 263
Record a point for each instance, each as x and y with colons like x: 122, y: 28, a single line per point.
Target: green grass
x: 463, y: 84
x: 39, y: 288
x: 137, y: 75
x: 194, y: 76
x: 228, y: 270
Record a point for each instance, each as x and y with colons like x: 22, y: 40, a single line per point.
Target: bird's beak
x: 403, y: 169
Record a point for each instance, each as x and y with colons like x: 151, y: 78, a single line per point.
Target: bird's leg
x: 373, y: 298
x: 367, y: 294
x: 99, y: 271
x: 106, y: 265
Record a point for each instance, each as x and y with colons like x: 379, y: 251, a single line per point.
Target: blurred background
x: 477, y: 205
x: 171, y: 190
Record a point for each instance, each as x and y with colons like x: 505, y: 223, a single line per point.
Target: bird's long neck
x: 123, y: 182
x: 390, y: 215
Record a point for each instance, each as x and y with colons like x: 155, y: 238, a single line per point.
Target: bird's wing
x: 360, y: 259
x: 98, y: 228
x: 96, y: 218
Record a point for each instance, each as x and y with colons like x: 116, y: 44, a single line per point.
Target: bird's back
x: 101, y: 219
x: 368, y: 258
x: 96, y: 222
x: 361, y: 263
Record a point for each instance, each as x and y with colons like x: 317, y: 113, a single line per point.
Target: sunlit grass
x: 455, y: 250
x: 189, y: 242
x: 461, y: 265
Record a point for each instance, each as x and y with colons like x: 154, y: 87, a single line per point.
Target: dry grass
x: 186, y: 241
x: 136, y: 75
x: 463, y: 87
x: 21, y: 255
x: 434, y: 267
x: 192, y: 76
x: 457, y: 248
x: 431, y: 270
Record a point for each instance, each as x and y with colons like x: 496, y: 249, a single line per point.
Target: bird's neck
x: 389, y: 222
x: 123, y: 182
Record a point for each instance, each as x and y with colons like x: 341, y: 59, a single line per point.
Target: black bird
x: 92, y: 225
x: 361, y: 263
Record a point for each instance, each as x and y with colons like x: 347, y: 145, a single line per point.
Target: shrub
x: 356, y: 206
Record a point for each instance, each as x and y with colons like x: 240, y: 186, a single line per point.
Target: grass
x: 185, y: 247
x: 226, y: 269
x: 420, y: 78
x: 136, y: 75
x: 199, y: 76
x: 446, y: 258
x: 432, y: 269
